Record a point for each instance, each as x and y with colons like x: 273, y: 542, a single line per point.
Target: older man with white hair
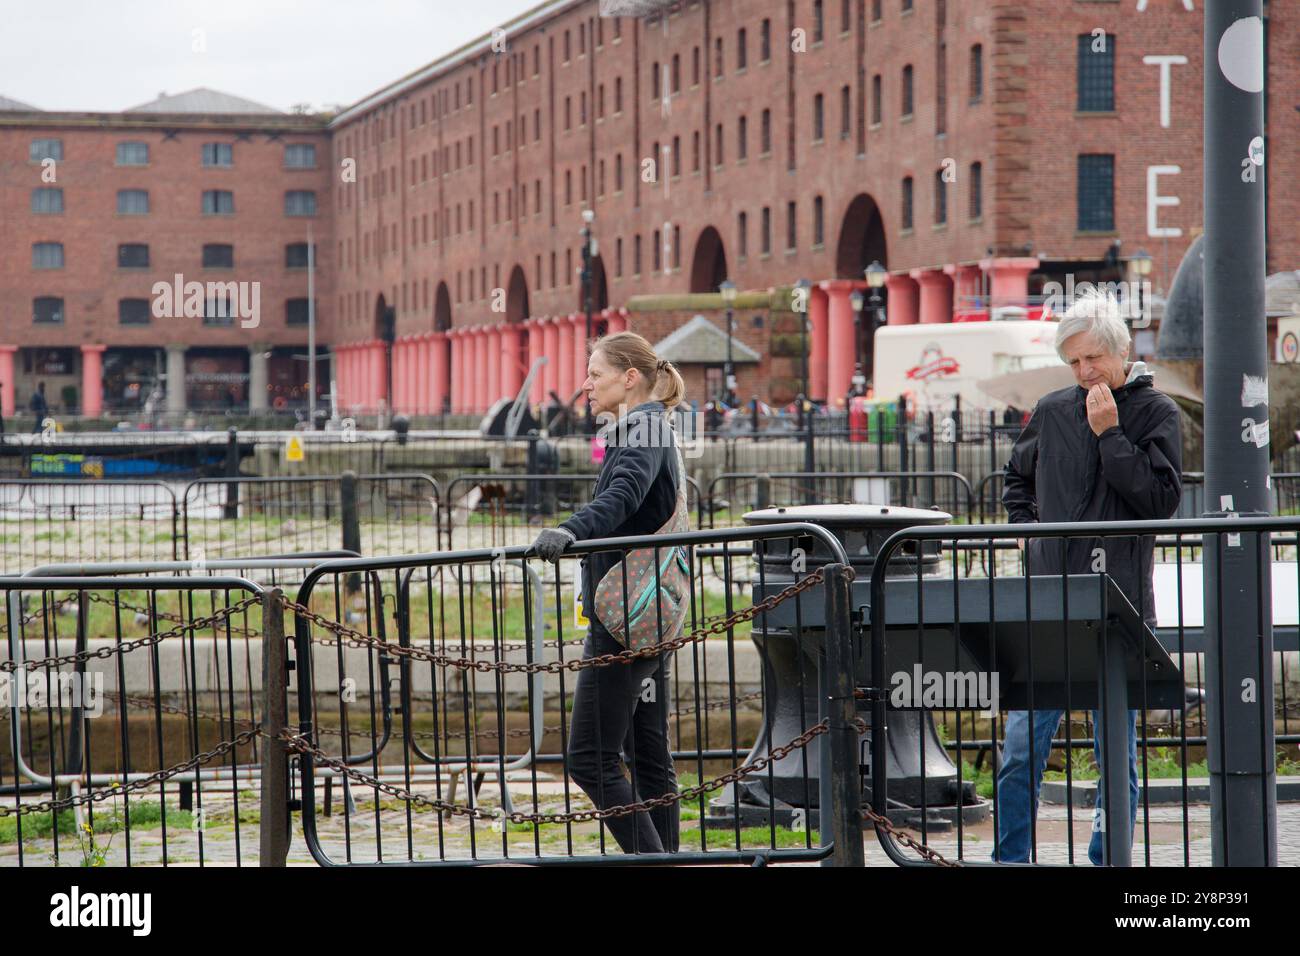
x: 1106, y: 449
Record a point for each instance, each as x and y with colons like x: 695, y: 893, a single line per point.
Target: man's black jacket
x: 636, y: 491
x: 1061, y: 471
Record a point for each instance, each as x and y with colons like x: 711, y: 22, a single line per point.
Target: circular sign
x: 1290, y: 347
x: 1256, y: 151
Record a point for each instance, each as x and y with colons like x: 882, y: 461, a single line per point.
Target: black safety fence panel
x: 487, y: 758
x: 981, y: 673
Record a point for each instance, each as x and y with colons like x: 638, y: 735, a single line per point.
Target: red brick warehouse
x: 100, y: 208
x: 975, y: 148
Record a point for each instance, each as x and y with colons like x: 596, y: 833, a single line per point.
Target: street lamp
x: 1140, y: 265
x: 875, y: 275
x: 856, y: 301
x: 728, y: 290
x: 805, y: 288
x: 588, y: 254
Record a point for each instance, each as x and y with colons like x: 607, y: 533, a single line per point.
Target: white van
x: 936, y: 362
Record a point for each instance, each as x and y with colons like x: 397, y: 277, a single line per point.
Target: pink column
x: 840, y: 346
x: 617, y: 321
x: 438, y: 372
x: 479, y: 371
x: 411, y: 370
x: 534, y: 353
x: 494, y: 362
x: 903, y: 306
x: 424, y: 374
x: 400, y: 375
x: 966, y: 289
x: 563, y: 357
x: 454, y: 371
x: 580, y: 348
x: 342, y: 374
x: 92, y: 380
x: 936, y: 295
x: 464, y: 359
x: 1009, y: 280
x: 365, y: 368
x: 7, y: 380
x: 551, y: 349
x: 512, y: 376
x: 819, y: 347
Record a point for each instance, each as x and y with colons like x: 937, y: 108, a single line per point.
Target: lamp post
x: 728, y: 290
x: 588, y: 254
x: 805, y: 288
x: 1140, y: 265
x: 875, y: 275
x: 856, y: 301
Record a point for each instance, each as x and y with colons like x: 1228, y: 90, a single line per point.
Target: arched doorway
x: 599, y: 288
x: 709, y: 264
x: 385, y: 328
x: 442, y: 323
x: 862, y: 242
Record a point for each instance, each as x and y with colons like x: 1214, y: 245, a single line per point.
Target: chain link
x: 299, y: 744
x: 343, y: 632
x: 108, y: 650
x: 107, y: 793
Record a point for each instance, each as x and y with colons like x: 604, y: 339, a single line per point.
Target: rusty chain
x: 344, y: 632
x: 39, y: 613
x: 299, y: 744
x: 97, y: 598
x: 107, y: 793
x: 108, y: 650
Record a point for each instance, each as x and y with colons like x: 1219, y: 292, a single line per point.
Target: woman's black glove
x: 552, y: 542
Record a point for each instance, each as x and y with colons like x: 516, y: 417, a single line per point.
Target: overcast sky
x: 108, y: 55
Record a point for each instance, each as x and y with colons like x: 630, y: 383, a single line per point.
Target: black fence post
x: 351, y: 519
x: 840, y: 799
x: 762, y: 492
x: 929, y: 458
x: 274, y: 826
x: 231, y: 510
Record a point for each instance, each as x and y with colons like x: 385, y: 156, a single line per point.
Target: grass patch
x: 758, y: 837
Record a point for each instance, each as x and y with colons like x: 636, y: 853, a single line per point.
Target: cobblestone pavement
x: 384, y: 833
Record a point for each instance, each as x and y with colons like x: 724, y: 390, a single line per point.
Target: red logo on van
x: 934, y: 364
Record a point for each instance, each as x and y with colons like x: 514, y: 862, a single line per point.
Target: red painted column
x: 512, y: 374
x: 365, y: 367
x: 903, y: 307
x: 839, y: 337
x: 551, y: 349
x: 534, y: 327
x: 400, y: 376
x: 936, y: 296
x: 1008, y: 280
x: 617, y: 321
x: 966, y: 289
x: 464, y: 375
x: 455, y: 374
x: 7, y: 380
x: 92, y: 380
x: 475, y: 380
x: 346, y: 372
x: 580, y: 347
x: 563, y: 357
x: 494, y: 362
x: 420, y: 380
x: 818, y: 344
x: 438, y: 372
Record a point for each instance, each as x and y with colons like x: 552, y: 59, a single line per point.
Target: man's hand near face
x: 1102, y: 413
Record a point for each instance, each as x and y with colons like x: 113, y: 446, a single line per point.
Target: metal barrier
x: 913, y: 489
x: 486, y: 681
x: 1061, y: 643
x: 501, y: 510
x: 367, y: 513
x: 175, y: 652
x: 44, y: 520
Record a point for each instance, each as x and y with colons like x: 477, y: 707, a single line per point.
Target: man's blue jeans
x: 1014, y: 810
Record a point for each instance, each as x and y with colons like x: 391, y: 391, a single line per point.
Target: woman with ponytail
x: 623, y: 708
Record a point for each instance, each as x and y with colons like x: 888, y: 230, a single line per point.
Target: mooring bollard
x: 274, y: 835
